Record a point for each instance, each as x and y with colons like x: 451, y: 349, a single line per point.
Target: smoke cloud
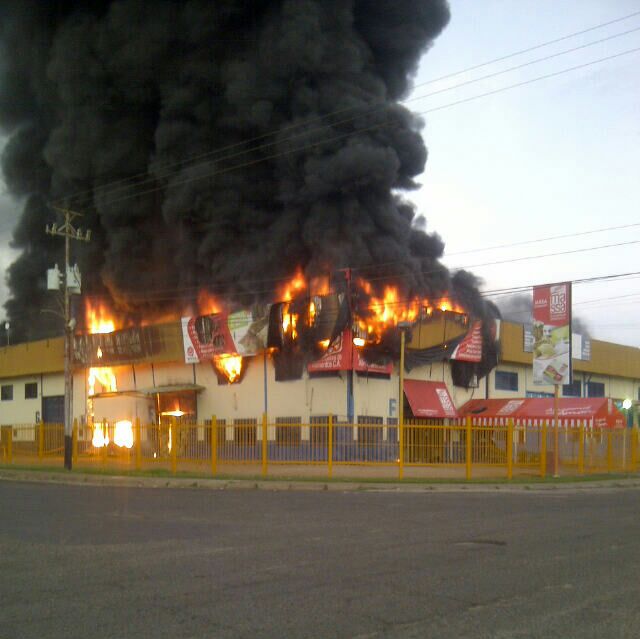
x: 519, y: 309
x: 298, y: 98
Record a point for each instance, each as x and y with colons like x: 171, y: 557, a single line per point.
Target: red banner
x: 470, y: 348
x: 343, y: 356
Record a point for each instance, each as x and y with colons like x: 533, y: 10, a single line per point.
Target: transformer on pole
x: 71, y: 285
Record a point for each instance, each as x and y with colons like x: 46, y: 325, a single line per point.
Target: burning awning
x: 429, y: 399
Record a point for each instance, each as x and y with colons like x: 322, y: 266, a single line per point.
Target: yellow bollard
x: 74, y: 442
x: 543, y: 451
x: 138, y: 445
x: 609, y: 451
x: 174, y: 445
x: 41, y: 440
x: 581, y: 450
x: 330, y: 446
x: 214, y: 445
x: 510, y: 449
x: 468, y: 447
x: 634, y: 449
x: 264, y: 444
x: 10, y: 444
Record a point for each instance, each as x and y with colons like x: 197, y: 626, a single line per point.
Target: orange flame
x: 207, y: 303
x: 230, y: 365
x: 390, y: 309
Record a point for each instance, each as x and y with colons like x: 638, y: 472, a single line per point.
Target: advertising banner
x: 552, y: 334
x: 205, y: 336
x: 341, y: 355
x: 470, y: 348
x: 119, y: 347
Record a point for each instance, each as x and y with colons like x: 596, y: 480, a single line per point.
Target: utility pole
x: 69, y: 233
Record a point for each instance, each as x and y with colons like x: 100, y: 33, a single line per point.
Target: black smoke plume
x: 297, y: 99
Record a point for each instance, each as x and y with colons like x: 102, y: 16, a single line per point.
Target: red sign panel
x: 341, y: 355
x: 470, y: 348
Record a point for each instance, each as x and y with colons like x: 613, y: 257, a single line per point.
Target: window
x: 6, y: 392
x: 506, y: 381
x: 595, y: 389
x: 288, y: 431
x: 31, y: 390
x: 368, y: 431
x: 572, y: 390
x: 318, y: 431
x: 244, y: 431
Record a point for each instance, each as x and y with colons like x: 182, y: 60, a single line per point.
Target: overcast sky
x: 556, y: 157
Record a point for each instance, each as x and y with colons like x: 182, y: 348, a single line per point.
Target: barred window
x: 6, y: 392
x: 245, y: 431
x: 288, y: 431
x: 318, y: 431
x: 369, y: 432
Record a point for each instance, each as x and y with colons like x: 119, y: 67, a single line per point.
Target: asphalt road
x: 80, y: 561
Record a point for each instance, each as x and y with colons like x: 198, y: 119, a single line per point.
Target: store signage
x: 552, y: 334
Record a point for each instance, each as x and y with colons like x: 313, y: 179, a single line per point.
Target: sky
x: 559, y: 156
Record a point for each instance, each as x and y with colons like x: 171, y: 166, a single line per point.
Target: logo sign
x: 552, y: 334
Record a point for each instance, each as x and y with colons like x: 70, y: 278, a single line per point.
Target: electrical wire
x: 347, y: 109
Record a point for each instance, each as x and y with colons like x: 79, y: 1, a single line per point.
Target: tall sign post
x: 552, y: 344
x: 69, y: 233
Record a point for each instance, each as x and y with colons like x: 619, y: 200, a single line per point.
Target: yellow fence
x: 430, y: 449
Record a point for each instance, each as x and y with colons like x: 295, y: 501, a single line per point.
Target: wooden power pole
x: 69, y: 233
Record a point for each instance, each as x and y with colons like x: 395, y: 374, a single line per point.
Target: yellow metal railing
x: 468, y: 448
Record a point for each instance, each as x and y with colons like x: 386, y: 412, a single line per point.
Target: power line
x: 543, y: 239
x: 368, y: 128
x: 347, y: 109
x: 371, y: 111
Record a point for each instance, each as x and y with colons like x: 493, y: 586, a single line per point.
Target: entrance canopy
x: 429, y: 399
x: 572, y: 411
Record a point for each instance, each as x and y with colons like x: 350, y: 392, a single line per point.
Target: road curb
x: 88, y: 479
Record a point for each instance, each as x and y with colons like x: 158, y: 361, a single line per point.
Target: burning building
x: 327, y: 346
x: 242, y: 165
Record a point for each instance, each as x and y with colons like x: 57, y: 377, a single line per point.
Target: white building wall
x: 20, y: 410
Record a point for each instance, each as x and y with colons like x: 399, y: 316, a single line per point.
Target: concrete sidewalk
x: 282, y: 484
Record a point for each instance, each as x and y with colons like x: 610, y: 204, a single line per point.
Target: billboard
x: 342, y: 355
x: 205, y: 336
x: 552, y: 334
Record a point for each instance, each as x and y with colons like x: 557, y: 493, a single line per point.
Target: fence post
x: 510, y: 449
x: 74, y: 442
x: 138, y: 445
x: 214, y: 445
x: 40, y: 440
x: 581, y: 450
x: 609, y: 451
x: 10, y: 444
x: 105, y: 435
x: 330, y: 446
x: 543, y: 451
x: 264, y: 444
x: 401, y: 447
x: 174, y: 445
x: 468, y: 447
x: 634, y: 449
